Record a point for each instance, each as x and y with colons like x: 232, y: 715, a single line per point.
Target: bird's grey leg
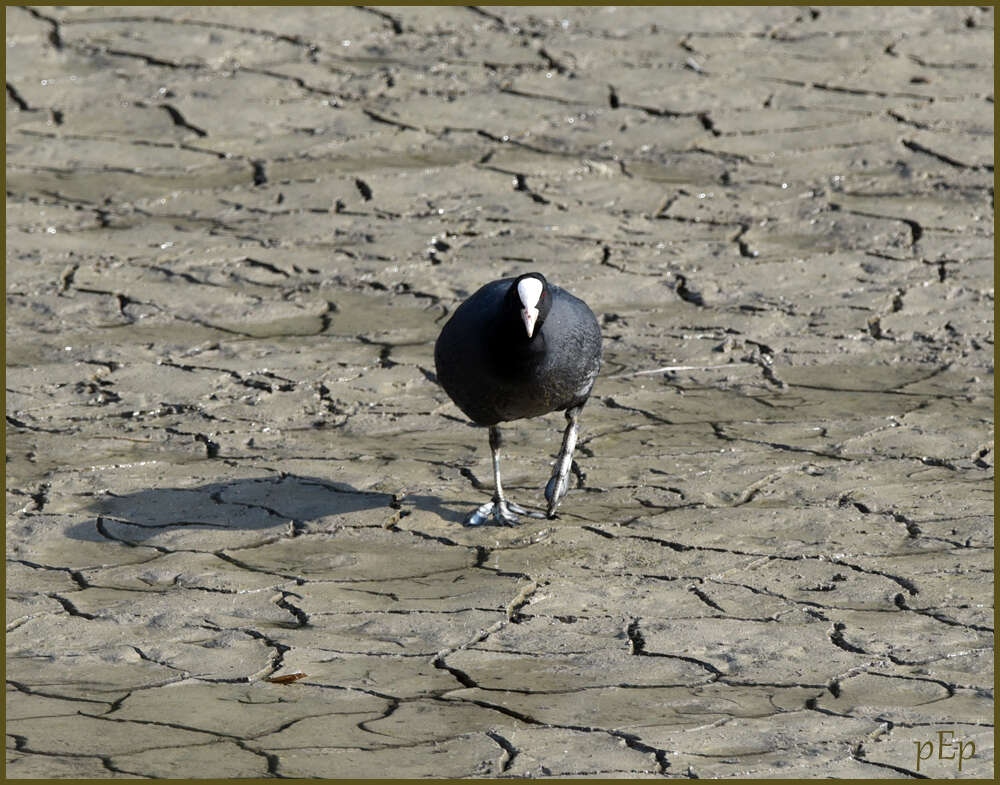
x: 559, y: 483
x: 498, y: 511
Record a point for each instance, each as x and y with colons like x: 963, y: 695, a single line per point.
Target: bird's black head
x: 529, y: 300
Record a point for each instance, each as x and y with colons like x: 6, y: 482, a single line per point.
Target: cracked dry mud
x: 232, y: 239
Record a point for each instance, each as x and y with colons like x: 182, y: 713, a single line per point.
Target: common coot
x: 520, y: 347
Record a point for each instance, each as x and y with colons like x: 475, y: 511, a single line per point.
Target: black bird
x: 520, y: 347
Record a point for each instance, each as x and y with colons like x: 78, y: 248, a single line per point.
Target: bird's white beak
x: 530, y: 292
x: 529, y: 316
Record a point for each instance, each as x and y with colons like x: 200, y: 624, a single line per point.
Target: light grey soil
x: 232, y: 237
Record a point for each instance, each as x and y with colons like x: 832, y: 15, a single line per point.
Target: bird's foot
x: 499, y: 512
x: 555, y: 490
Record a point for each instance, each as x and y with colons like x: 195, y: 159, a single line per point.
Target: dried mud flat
x: 232, y: 238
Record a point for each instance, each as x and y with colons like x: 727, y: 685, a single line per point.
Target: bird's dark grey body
x: 520, y: 347
x: 494, y: 373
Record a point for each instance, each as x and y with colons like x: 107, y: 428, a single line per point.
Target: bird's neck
x: 514, y: 350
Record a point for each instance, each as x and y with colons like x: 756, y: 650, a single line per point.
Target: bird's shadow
x: 257, y: 503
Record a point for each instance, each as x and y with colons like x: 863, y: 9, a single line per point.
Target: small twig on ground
x: 667, y: 368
